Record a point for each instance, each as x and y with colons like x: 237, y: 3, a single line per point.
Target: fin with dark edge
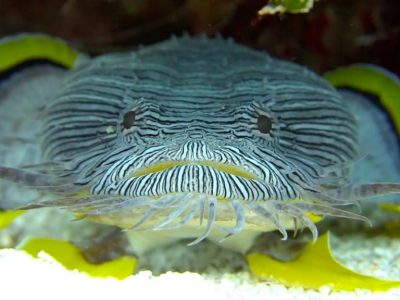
x: 32, y: 68
x: 373, y: 96
x: 19, y: 49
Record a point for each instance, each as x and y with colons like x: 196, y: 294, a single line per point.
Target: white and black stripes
x: 195, y: 109
x: 193, y: 127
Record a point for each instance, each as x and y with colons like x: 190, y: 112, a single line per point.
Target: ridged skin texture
x: 199, y: 100
x: 197, y: 128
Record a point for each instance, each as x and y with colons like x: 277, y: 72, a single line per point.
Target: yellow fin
x: 373, y: 80
x: 314, y: 217
x: 388, y: 206
x: 7, y: 217
x: 314, y: 268
x: 16, y: 50
x: 71, y: 258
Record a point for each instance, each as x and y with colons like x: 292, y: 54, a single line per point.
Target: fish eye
x: 128, y: 119
x: 264, y: 124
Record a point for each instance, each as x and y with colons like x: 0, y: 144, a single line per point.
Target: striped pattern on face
x: 194, y: 115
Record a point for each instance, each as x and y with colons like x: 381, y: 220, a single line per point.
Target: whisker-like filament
x: 212, y: 214
x: 330, y: 211
x: 189, y: 215
x: 29, y: 179
x: 239, y: 213
x: 267, y: 211
x: 298, y: 215
x: 366, y: 190
x: 184, y: 204
x: 203, y: 202
x: 156, y: 206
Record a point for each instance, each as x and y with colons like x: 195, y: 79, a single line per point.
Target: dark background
x: 334, y: 33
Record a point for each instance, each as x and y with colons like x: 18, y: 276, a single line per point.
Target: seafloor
x: 205, y: 271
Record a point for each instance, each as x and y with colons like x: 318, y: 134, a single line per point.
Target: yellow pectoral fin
x: 313, y: 217
x: 391, y: 207
x: 71, y: 258
x: 18, y: 49
x: 314, y: 268
x: 374, y: 80
x: 7, y: 217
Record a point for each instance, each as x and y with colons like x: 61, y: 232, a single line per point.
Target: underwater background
x: 333, y: 33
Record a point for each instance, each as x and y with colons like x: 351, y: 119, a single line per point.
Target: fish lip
x: 204, y: 177
x: 231, y: 169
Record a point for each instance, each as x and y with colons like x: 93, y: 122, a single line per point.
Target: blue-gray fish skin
x: 196, y: 129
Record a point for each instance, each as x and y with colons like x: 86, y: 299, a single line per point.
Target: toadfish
x: 189, y: 138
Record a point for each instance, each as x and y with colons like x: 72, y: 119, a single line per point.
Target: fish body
x: 196, y: 138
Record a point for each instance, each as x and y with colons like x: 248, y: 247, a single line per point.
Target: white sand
x: 22, y: 276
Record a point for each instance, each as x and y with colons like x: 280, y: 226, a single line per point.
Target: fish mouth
x: 172, y: 195
x: 214, y: 178
x: 218, y: 166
